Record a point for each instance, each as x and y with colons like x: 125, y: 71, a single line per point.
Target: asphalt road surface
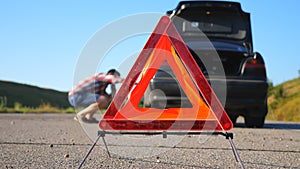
x: 57, y: 141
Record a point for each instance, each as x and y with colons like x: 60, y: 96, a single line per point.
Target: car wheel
x: 254, y: 122
x: 147, y: 100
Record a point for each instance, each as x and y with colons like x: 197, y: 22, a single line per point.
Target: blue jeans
x: 81, y: 99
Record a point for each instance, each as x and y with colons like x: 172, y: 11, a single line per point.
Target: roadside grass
x: 284, y: 101
x: 43, y: 108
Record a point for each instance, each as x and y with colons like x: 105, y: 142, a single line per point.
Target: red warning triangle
x: 166, y: 46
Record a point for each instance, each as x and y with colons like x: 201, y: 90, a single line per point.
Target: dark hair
x: 114, y: 72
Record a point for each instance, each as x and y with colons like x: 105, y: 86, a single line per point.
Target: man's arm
x: 113, y: 90
x: 112, y: 79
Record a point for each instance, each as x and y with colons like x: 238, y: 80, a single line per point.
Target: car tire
x: 147, y: 100
x: 254, y: 122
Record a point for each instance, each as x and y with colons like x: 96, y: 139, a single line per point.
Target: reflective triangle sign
x: 165, y: 46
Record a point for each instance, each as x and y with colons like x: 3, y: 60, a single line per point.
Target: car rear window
x: 214, y: 22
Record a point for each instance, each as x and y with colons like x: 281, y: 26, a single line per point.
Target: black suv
x: 223, y: 50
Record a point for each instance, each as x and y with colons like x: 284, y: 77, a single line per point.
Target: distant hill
x: 31, y: 96
x: 284, y: 101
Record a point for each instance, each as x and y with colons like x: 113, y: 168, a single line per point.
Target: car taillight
x: 253, y: 63
x: 254, y: 66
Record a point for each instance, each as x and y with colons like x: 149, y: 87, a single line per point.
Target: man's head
x: 113, y: 72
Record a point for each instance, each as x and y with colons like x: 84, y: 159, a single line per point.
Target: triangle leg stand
x: 102, y: 133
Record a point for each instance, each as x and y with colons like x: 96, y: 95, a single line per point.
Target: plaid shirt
x: 94, y: 84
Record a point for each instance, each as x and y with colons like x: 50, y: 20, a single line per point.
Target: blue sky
x: 40, y: 41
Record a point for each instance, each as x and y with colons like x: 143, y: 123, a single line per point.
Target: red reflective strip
x: 163, y: 125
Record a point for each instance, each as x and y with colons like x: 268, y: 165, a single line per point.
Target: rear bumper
x: 241, y: 93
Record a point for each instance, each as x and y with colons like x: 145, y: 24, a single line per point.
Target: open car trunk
x: 213, y: 20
